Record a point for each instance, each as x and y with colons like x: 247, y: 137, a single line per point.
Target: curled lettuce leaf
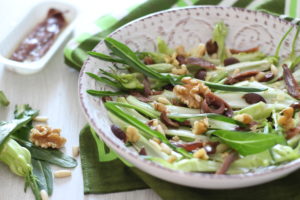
x: 258, y: 111
x: 219, y: 35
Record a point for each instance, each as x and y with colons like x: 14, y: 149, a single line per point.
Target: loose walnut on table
x: 46, y: 137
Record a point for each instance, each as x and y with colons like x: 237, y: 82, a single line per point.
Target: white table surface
x: 54, y: 92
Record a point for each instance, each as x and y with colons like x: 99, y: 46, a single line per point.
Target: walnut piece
x: 45, y: 137
x: 201, y: 154
x: 190, y: 93
x: 160, y: 107
x: 163, y: 100
x: 198, y: 51
x: 172, y: 59
x: 181, y: 70
x: 132, y: 134
x: 200, y: 126
x: 244, y: 118
x: 172, y: 159
x: 286, y: 120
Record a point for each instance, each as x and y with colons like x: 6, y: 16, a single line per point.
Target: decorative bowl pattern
x: 187, y: 27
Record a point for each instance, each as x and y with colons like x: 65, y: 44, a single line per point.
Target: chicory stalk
x: 163, y: 48
x: 260, y: 65
x: 167, y: 94
x: 233, y: 88
x: 283, y: 153
x: 223, y: 72
x: 294, y: 141
x: 182, y: 110
x: 219, y: 36
x: 275, y: 98
x: 196, y: 165
x: 151, y: 149
x: 144, y: 107
x: 132, y: 112
x: 131, y: 81
x: 217, y: 75
x: 156, y: 56
x: 127, y: 81
x: 262, y: 159
x: 3, y: 100
x: 244, y: 57
x: 258, y: 111
x: 161, y: 67
x: 185, y: 134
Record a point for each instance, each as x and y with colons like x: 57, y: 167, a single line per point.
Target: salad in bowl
x: 208, y: 108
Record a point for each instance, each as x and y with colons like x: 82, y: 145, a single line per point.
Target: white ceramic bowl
x: 35, y: 15
x: 188, y: 27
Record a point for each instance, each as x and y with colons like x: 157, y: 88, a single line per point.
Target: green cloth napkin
x: 115, y: 176
x: 104, y: 172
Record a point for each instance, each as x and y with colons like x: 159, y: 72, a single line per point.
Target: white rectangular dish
x: 35, y: 16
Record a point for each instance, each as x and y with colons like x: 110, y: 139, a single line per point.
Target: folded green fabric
x: 104, y: 177
x: 103, y: 172
x: 115, y: 176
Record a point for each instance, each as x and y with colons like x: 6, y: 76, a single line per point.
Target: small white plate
x: 187, y: 27
x: 35, y: 16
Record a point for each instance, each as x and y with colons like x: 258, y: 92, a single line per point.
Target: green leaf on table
x: 52, y: 156
x: 24, y: 110
x: 31, y: 181
x: 3, y: 100
x: 247, y: 143
x: 8, y: 128
x: 21, y: 111
x: 43, y: 174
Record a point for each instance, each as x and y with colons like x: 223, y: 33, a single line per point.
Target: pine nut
x: 62, y: 173
x: 40, y: 119
x: 163, y: 100
x: 75, y: 151
x: 44, y: 195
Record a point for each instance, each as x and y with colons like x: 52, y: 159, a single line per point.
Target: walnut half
x: 191, y: 92
x: 45, y: 137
